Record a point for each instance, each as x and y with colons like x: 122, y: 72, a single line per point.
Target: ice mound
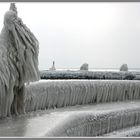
x: 61, y: 93
x: 124, y: 67
x: 84, y: 67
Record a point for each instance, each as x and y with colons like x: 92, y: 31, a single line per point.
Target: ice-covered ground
x: 81, y: 120
x: 47, y: 94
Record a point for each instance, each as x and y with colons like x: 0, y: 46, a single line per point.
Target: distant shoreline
x: 94, y: 69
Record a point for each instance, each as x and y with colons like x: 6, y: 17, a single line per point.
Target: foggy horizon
x: 104, y: 35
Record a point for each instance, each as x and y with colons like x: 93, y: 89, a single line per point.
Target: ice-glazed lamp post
x: 19, y: 50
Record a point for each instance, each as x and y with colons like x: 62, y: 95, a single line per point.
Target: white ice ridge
x: 82, y: 74
x: 133, y: 131
x: 61, y: 93
x: 83, y: 120
x: 97, y: 123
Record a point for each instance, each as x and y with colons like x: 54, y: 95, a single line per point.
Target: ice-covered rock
x: 84, y: 67
x: 124, y: 67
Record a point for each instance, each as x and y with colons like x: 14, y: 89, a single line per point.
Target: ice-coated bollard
x: 84, y: 67
x: 124, y: 67
x: 18, y: 63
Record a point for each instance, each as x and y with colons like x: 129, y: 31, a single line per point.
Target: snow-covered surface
x: 84, y: 120
x: 126, y: 132
x: 61, y: 93
x: 79, y: 74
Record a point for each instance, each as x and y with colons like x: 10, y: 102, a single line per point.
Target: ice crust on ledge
x: 47, y: 94
x: 96, y: 123
x: 83, y: 74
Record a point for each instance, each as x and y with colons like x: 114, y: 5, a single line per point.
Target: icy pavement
x: 61, y: 122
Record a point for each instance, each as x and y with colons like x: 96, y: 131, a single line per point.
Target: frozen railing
x: 96, y: 123
x: 61, y: 93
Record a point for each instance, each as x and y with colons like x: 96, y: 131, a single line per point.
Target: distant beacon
x: 53, y: 66
x: 124, y: 67
x: 84, y: 67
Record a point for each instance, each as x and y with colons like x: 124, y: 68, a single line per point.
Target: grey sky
x: 101, y: 34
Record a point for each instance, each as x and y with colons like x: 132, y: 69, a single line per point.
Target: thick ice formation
x: 133, y: 131
x: 62, y: 93
x: 96, y: 123
x: 18, y: 63
x: 120, y: 75
x: 83, y: 120
x: 84, y: 67
x: 124, y: 67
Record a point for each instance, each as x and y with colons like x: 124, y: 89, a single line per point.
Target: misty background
x: 105, y: 35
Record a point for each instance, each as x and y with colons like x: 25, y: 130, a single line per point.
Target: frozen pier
x: 83, y: 74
